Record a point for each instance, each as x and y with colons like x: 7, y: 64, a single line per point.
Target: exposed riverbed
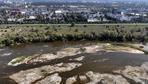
x: 71, y: 64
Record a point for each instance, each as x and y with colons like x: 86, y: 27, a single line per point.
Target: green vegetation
x: 18, y: 60
x: 32, y: 33
x: 82, y: 50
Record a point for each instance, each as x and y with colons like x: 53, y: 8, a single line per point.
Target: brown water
x: 91, y: 62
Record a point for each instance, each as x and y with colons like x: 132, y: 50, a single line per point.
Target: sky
x: 81, y: 0
x: 89, y: 0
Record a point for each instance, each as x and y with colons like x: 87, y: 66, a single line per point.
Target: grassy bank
x: 32, y: 33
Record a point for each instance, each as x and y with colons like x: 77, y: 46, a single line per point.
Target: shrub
x: 82, y: 50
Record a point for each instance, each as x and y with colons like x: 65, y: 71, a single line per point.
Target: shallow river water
x: 91, y: 62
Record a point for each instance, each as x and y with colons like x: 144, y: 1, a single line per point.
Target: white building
x: 11, y: 19
x: 32, y: 17
x: 59, y: 11
x: 93, y: 20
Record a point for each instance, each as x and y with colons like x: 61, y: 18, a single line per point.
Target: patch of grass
x: 18, y: 60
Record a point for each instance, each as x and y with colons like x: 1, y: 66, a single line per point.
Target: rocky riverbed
x: 129, y: 75
x: 69, y: 71
x: 50, y: 75
x: 71, y: 52
x: 41, y: 74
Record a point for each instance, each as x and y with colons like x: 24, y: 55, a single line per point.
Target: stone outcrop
x: 53, y: 79
x: 71, y: 80
x: 31, y: 75
x: 49, y: 75
x: 139, y: 74
x: 96, y: 78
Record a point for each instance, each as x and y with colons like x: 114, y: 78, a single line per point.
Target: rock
x: 139, y: 74
x: 44, y: 57
x: 79, y: 58
x: 145, y: 66
x: 60, y: 64
x: 53, y: 79
x: 26, y: 77
x: 71, y: 80
x: 93, y: 48
x: 96, y: 78
x: 22, y: 60
x: 31, y: 75
x: 83, y: 79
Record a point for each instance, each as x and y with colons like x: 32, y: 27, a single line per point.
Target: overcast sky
x: 90, y: 0
x: 82, y: 0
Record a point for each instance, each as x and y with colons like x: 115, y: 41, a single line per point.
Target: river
x: 91, y: 62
